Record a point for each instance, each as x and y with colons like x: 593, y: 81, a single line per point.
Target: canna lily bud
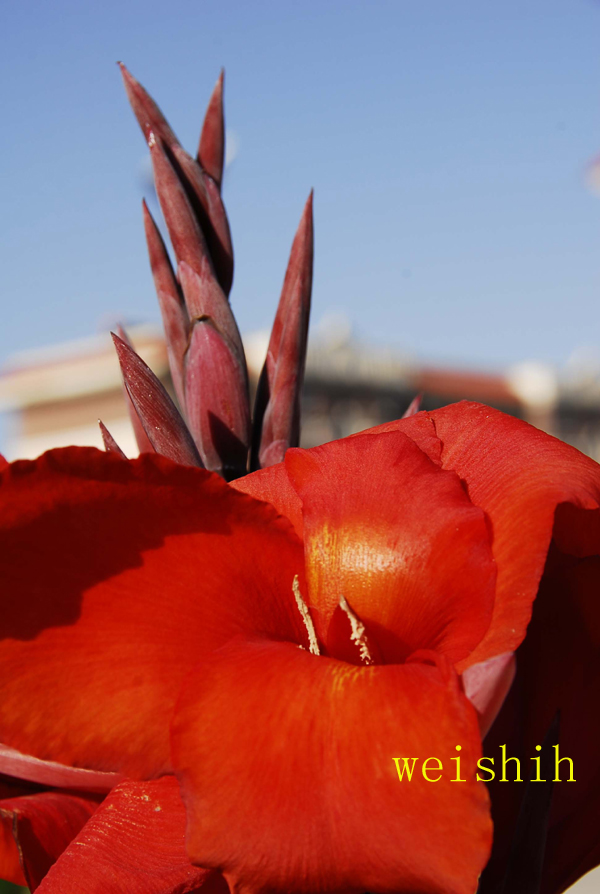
x: 277, y: 408
x: 206, y: 355
x: 110, y: 445
x: 148, y: 114
x: 211, y: 151
x: 201, y: 187
x: 413, y: 407
x: 162, y: 422
x: 172, y: 306
x: 141, y: 438
x: 216, y: 379
x: 186, y: 236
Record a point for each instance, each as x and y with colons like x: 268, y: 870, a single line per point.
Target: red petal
x: 116, y: 577
x: 44, y: 825
x: 273, y: 486
x: 399, y: 539
x: 517, y: 475
x: 419, y: 428
x: 296, y: 794
x: 3, y: 462
x: 10, y: 863
x: 135, y: 842
x: 10, y: 866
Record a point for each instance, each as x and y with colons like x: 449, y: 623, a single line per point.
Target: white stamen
x: 313, y: 645
x: 358, y: 633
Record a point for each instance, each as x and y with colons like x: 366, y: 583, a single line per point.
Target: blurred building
x: 56, y: 396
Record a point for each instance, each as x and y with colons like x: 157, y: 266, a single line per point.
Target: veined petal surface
x: 399, y: 539
x: 10, y: 864
x: 117, y: 576
x: 273, y: 486
x: 294, y: 787
x: 518, y: 475
x: 134, y: 843
x: 44, y: 824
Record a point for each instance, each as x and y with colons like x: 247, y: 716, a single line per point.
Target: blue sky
x: 447, y: 144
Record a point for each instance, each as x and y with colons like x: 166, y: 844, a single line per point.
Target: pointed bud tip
x: 122, y: 334
x: 147, y: 215
x: 118, y: 341
x: 122, y: 342
x: 128, y: 78
x: 110, y: 445
x: 306, y: 221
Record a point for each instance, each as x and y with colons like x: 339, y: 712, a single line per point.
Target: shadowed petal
x: 164, y: 563
x: 558, y: 669
x: 302, y: 794
x: 44, y: 824
x: 10, y: 862
x: 10, y: 866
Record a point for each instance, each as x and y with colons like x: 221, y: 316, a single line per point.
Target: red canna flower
x: 267, y: 648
